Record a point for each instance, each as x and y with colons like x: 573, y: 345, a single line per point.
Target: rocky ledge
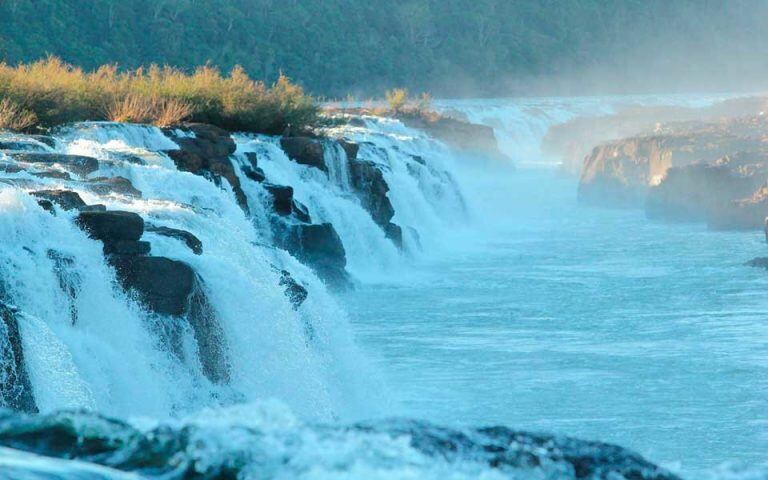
x: 195, y: 451
x: 689, y: 170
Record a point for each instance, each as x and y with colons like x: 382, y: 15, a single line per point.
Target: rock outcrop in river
x: 690, y: 171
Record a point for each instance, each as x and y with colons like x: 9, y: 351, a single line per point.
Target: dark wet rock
x: 368, y: 181
x: 10, y: 167
x: 47, y: 205
x: 319, y: 247
x: 97, y: 207
x: 66, y: 199
x: 305, y: 150
x: 282, y: 198
x: 69, y: 279
x: 110, y: 185
x: 395, y: 233
x: 192, y: 242
x: 77, y: 164
x: 56, y: 174
x: 127, y: 247
x: 15, y: 387
x: 111, y: 226
x: 758, y: 262
x: 301, y: 212
x: 207, y: 154
x: 295, y: 291
x: 172, y: 288
x: 255, y: 174
x: 174, y: 451
x: 251, y: 169
x: 350, y: 148
x: 25, y: 143
x: 284, y: 203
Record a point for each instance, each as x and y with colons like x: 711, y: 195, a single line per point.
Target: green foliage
x: 55, y: 93
x: 449, y: 47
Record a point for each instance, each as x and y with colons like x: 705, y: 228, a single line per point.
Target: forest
x: 334, y: 48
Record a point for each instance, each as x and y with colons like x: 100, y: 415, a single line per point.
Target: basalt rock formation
x: 204, y: 150
x: 620, y: 173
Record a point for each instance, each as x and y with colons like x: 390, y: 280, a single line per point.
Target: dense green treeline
x: 335, y: 47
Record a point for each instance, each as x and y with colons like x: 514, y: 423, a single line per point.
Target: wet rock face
x: 319, y: 247
x: 78, y: 164
x: 368, y: 181
x: 207, y: 154
x: 284, y: 204
x: 163, y: 285
x: 192, y: 242
x: 113, y: 225
x: 350, y: 148
x: 110, y: 185
x: 15, y: 387
x: 170, y: 287
x: 66, y: 199
x: 174, y: 452
x: 295, y: 291
x: 305, y: 150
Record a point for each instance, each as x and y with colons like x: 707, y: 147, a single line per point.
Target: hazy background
x: 447, y: 47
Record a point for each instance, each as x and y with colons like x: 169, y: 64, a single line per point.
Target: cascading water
x: 456, y: 343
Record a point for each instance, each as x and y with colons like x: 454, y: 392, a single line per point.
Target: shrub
x: 396, y: 99
x: 57, y: 93
x: 15, y: 118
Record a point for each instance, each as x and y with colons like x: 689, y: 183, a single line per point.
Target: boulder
x: 127, y: 247
x: 255, y: 174
x: 57, y: 174
x: 66, y: 199
x: 172, y: 288
x: 192, y: 242
x: 204, y: 150
x: 368, y: 181
x: 305, y: 150
x: 77, y: 164
x: 282, y: 198
x: 394, y: 233
x: 284, y: 204
x: 319, y: 247
x: 350, y: 148
x: 110, y: 185
x: 111, y: 226
x: 758, y: 262
x: 69, y: 279
x: 15, y: 389
x: 295, y: 291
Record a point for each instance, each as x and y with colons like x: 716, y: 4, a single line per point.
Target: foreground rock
x: 194, y: 451
x: 190, y: 240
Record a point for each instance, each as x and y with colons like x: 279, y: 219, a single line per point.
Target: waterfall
x: 90, y: 345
